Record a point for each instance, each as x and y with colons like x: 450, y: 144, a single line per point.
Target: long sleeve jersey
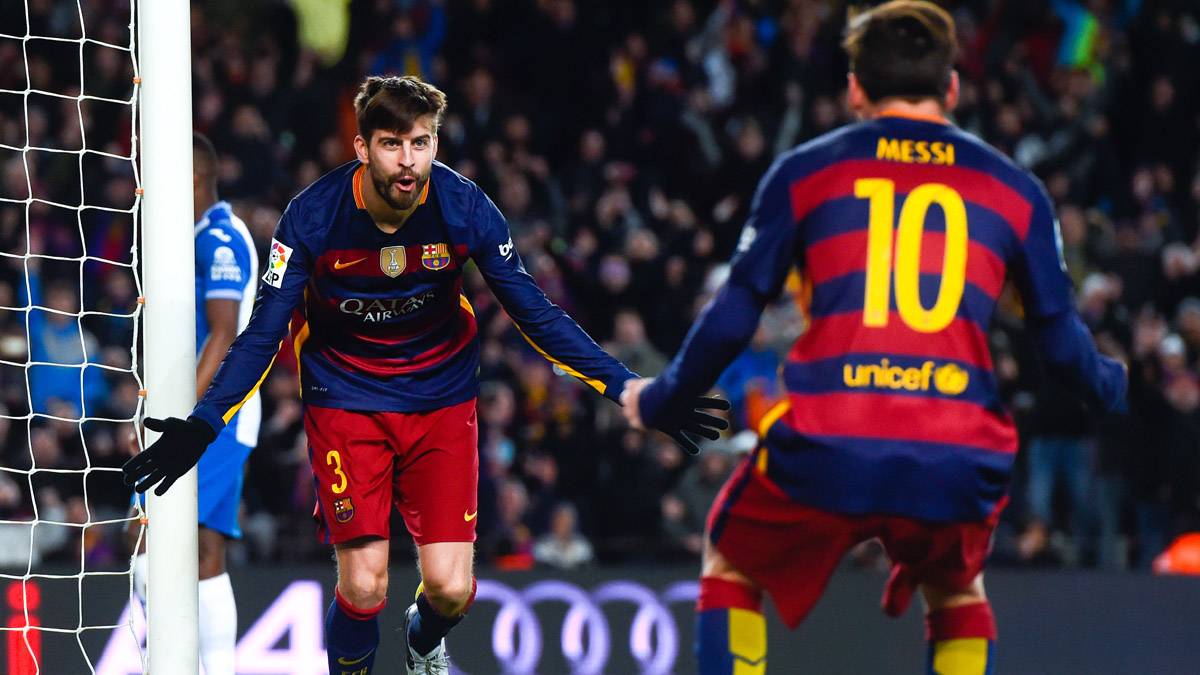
x: 378, y: 320
x: 907, y: 230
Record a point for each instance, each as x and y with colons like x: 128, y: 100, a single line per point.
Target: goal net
x: 70, y: 309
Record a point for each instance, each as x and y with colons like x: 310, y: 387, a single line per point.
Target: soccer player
x: 907, y: 228
x: 226, y: 273
x: 366, y: 264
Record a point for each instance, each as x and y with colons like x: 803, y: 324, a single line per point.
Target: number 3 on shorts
x: 334, y: 459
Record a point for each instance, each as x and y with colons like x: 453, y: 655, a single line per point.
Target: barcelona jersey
x: 378, y: 320
x: 906, y: 230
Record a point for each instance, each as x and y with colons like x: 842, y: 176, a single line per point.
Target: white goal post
x: 164, y: 53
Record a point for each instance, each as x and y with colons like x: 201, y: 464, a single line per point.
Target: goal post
x: 167, y: 253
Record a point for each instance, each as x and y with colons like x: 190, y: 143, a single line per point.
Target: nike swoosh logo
x: 348, y: 662
x: 469, y: 516
x: 339, y: 265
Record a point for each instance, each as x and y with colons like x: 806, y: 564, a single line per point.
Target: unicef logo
x: 586, y: 638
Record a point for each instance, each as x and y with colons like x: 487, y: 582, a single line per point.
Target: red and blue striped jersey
x: 378, y: 320
x: 907, y: 230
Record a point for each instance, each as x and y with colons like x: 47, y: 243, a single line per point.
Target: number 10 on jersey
x: 881, y: 196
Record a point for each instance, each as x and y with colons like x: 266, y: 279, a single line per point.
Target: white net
x: 70, y: 303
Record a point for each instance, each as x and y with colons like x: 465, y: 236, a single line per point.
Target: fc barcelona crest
x: 343, y: 510
x: 392, y: 260
x: 435, y: 256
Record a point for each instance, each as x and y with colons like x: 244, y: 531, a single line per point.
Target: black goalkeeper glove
x: 691, y: 420
x: 172, y: 455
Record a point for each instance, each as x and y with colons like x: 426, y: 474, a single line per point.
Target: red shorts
x: 791, y: 550
x: 427, y: 464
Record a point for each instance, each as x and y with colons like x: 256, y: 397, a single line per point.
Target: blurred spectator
x: 685, y: 508
x: 563, y: 547
x: 60, y: 347
x: 509, y: 543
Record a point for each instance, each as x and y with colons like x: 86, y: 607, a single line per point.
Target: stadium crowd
x: 623, y: 142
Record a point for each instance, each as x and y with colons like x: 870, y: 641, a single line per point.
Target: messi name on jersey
x: 435, y: 256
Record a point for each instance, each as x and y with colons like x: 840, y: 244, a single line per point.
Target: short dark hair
x: 395, y: 103
x: 204, y: 157
x: 902, y: 48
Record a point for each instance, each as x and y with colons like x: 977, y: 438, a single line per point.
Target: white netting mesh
x: 69, y: 313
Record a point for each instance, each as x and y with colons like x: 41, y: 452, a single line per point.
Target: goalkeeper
x: 366, y: 264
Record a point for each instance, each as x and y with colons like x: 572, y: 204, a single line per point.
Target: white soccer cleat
x: 436, y: 662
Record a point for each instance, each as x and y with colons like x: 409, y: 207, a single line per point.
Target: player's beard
x: 393, y: 196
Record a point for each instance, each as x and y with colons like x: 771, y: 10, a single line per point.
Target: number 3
x: 332, y: 458
x: 881, y: 193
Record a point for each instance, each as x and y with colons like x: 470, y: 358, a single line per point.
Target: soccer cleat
x: 436, y: 662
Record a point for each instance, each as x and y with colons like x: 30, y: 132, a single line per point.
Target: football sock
x: 731, y: 632
x: 961, y: 640
x: 351, y: 636
x: 218, y: 625
x: 429, y: 626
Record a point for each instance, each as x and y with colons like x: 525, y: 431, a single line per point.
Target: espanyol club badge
x: 435, y: 256
x: 391, y: 260
x: 343, y: 510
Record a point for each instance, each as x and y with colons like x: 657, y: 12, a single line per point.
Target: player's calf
x: 443, y: 599
x: 960, y: 630
x: 731, y: 632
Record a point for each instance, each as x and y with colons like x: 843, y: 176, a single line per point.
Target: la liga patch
x: 281, y: 254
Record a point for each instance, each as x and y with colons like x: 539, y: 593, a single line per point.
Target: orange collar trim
x: 356, y: 188
x: 936, y: 119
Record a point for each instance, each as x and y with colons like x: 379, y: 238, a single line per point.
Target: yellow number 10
x: 882, y: 192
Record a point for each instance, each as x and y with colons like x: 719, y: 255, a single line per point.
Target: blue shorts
x: 220, y: 484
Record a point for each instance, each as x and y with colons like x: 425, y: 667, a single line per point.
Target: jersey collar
x: 936, y: 119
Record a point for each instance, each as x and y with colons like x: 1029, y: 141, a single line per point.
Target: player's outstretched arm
x: 1066, y: 346
x: 557, y: 337
x: 1060, y: 336
x: 723, y: 331
x: 766, y: 252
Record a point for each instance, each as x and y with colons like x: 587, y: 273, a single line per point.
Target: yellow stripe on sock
x: 748, y: 641
x: 964, y: 656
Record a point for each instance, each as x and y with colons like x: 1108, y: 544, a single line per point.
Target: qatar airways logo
x: 374, y: 310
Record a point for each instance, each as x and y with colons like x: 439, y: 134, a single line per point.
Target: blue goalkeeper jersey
x: 227, y: 269
x: 378, y: 321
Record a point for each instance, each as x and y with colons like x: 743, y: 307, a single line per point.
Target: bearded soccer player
x: 366, y: 265
x: 907, y: 228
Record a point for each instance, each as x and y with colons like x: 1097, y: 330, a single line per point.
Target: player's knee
x: 447, y: 593
x: 364, y: 588
x: 942, y: 597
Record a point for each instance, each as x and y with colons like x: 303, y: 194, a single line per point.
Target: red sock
x: 965, y: 621
x: 718, y: 593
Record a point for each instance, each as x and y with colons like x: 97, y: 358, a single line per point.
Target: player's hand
x: 680, y: 426
x: 172, y: 455
x: 629, y: 401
